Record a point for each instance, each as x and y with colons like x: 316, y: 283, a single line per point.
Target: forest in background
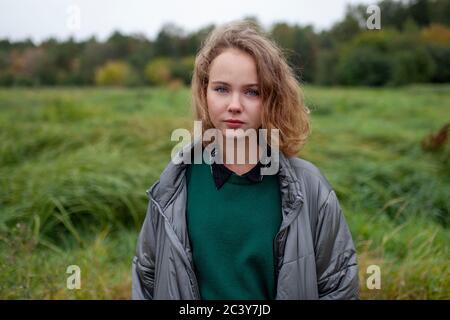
x: 412, y: 46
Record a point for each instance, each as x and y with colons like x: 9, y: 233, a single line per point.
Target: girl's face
x: 233, y: 92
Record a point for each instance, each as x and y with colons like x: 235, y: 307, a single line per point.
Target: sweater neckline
x: 237, y: 179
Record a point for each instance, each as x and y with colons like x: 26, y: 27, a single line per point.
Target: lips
x: 234, y: 121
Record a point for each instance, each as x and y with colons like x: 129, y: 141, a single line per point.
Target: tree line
x: 413, y: 45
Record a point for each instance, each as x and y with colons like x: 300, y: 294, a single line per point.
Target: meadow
x: 75, y: 164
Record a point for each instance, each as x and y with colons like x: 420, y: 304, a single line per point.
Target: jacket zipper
x: 275, y: 244
x: 277, y: 260
x: 177, y: 244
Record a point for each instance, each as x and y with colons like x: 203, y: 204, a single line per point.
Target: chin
x: 234, y: 133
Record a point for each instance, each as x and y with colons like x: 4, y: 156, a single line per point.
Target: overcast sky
x: 39, y: 20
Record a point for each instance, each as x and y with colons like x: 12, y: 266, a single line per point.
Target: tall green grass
x: 75, y: 164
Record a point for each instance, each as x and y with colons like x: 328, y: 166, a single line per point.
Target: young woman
x: 224, y: 230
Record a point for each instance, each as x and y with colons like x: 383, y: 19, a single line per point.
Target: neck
x: 239, y: 156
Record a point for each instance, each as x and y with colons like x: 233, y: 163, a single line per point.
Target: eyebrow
x: 245, y: 85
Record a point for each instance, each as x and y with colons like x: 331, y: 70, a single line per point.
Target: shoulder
x: 169, y: 180
x: 308, y: 172
x: 319, y: 196
x: 314, y: 185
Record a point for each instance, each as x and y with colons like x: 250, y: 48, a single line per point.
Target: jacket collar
x: 221, y: 173
x: 173, y: 178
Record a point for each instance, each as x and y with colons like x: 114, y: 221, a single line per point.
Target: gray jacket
x: 315, y: 254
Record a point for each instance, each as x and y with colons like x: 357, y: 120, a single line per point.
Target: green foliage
x: 412, y: 66
x: 75, y: 164
x: 159, y: 71
x: 162, y: 71
x: 326, y: 67
x: 300, y: 46
x: 441, y: 57
x: 385, y: 57
x: 414, y: 38
x: 182, y: 69
x: 437, y: 40
x: 364, y: 66
x: 114, y: 73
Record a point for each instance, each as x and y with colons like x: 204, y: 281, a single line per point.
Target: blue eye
x: 251, y: 92
x: 218, y: 89
x: 254, y: 93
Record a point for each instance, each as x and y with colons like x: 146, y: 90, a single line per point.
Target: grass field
x: 75, y: 164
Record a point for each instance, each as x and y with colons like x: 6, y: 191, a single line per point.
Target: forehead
x: 233, y: 66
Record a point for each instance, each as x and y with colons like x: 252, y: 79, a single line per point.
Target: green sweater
x: 232, y: 232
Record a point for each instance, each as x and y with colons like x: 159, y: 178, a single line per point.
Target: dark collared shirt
x: 221, y: 173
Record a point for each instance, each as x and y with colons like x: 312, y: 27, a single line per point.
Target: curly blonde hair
x: 282, y: 98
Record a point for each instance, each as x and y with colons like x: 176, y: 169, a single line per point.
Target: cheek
x: 209, y: 103
x: 256, y: 111
x: 214, y: 105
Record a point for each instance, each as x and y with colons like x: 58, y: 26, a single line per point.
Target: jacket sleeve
x: 143, y: 267
x: 336, y: 261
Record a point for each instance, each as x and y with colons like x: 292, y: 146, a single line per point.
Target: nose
x: 235, y: 105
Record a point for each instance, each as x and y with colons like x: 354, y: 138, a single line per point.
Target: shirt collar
x: 221, y: 173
